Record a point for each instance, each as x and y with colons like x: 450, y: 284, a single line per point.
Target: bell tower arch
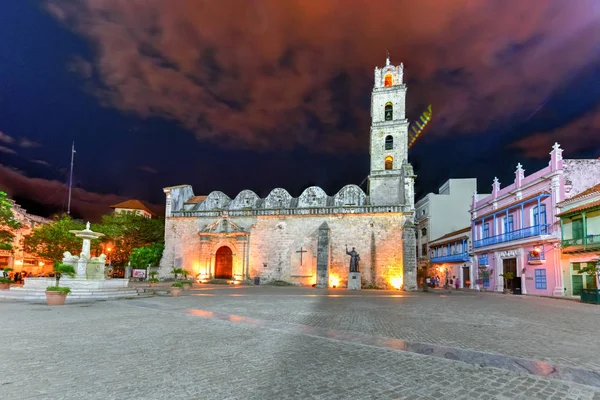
x: 389, y: 137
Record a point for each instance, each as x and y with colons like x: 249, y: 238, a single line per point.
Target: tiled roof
x: 588, y: 191
x: 132, y: 205
x: 196, y: 200
x: 580, y: 208
x: 510, y: 205
x: 458, y: 232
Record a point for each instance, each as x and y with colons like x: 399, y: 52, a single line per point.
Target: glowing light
x: 41, y: 263
x: 417, y: 128
x: 334, y: 281
x: 109, y: 249
x: 396, y: 282
x: 387, y: 80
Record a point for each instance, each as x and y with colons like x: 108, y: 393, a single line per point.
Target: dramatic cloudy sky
x: 258, y: 94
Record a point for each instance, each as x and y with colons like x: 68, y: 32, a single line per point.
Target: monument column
x: 409, y: 256
x: 323, y: 257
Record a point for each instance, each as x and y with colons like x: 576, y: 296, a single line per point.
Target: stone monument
x: 354, y: 274
x: 90, y: 281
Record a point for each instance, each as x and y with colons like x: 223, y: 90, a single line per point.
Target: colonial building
x: 516, y: 231
x: 17, y: 258
x: 580, y: 234
x: 133, y: 207
x: 304, y: 240
x: 442, y: 213
x: 450, y: 258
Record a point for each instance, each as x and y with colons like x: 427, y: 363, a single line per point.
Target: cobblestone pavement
x: 176, y: 348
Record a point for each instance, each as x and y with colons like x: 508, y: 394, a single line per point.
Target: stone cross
x: 301, y: 251
x: 556, y: 146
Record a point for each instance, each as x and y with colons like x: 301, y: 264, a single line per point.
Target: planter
x: 590, y: 296
x: 54, y: 298
x: 176, y: 292
x: 187, y: 287
x: 4, y: 285
x: 506, y: 291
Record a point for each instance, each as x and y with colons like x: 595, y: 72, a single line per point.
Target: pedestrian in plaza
x: 457, y: 282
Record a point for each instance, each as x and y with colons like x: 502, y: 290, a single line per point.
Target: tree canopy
x: 143, y: 257
x: 51, y: 240
x: 8, y: 222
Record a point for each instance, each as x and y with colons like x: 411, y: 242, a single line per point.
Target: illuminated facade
x: 303, y: 240
x: 17, y: 258
x: 516, y: 231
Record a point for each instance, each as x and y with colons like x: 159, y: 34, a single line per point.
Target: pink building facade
x: 516, y: 233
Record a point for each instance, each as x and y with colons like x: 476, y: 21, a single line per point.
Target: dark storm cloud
x: 281, y: 74
x: 52, y: 193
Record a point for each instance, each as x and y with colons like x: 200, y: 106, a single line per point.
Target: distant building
x: 516, y: 229
x: 17, y: 258
x: 580, y: 233
x: 450, y: 258
x: 133, y: 207
x: 439, y: 214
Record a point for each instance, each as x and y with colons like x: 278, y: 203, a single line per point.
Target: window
x: 539, y: 217
x: 389, y: 112
x: 508, y: 224
x: 540, y: 278
x: 387, y: 80
x: 389, y: 142
x: 423, y: 249
x: 389, y: 162
x: 577, y: 226
x: 424, y: 232
x: 576, y: 266
x: 486, y: 230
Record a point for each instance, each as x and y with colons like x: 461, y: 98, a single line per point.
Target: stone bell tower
x: 391, y: 179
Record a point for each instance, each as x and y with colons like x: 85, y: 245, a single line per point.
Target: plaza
x: 244, y: 342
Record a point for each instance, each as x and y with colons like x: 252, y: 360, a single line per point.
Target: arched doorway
x: 224, y: 263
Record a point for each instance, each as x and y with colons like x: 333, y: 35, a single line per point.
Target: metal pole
x: 71, y: 178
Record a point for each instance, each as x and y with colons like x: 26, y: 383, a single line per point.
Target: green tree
x: 8, y: 222
x: 592, y: 268
x: 51, y: 240
x: 141, y: 257
x: 129, y: 231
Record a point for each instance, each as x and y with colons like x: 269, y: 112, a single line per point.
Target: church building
x: 305, y: 240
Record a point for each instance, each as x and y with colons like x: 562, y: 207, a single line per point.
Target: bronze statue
x: 354, y: 259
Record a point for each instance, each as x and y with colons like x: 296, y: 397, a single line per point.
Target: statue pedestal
x: 354, y: 281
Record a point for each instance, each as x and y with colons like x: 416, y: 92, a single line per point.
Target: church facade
x: 305, y: 240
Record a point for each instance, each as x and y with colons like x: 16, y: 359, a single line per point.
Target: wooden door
x: 224, y: 263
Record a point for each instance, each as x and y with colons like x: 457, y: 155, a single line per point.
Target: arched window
x: 387, y: 80
x: 389, y: 111
x: 389, y: 162
x: 389, y: 142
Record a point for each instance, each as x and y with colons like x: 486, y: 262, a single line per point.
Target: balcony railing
x: 513, y: 235
x: 483, y: 261
x: 459, y: 257
x: 588, y: 242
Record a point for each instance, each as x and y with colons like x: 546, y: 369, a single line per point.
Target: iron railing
x: 588, y: 242
x: 513, y: 235
x: 459, y: 257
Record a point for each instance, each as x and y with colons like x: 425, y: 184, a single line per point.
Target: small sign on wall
x: 139, y: 273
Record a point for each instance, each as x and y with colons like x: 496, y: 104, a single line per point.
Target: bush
x: 64, y: 290
x: 5, y: 280
x: 187, y: 282
x: 178, y: 285
x: 153, y: 280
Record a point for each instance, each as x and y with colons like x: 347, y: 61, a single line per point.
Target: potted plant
x: 153, y: 280
x: 5, y: 283
x: 56, y: 295
x: 176, y: 289
x: 508, y: 277
x: 187, y: 284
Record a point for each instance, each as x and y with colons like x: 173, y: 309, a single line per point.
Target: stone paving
x: 179, y: 348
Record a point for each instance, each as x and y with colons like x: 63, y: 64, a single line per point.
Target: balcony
x: 513, y: 235
x: 590, y: 242
x: 458, y: 257
x: 483, y: 261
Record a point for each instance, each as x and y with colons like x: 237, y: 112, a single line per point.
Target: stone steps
x: 75, y: 295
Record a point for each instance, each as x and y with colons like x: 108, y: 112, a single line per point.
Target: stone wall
x: 580, y: 175
x: 271, y: 251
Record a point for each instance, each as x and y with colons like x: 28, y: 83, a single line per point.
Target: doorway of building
x: 509, y: 265
x: 224, y: 263
x: 466, y: 278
